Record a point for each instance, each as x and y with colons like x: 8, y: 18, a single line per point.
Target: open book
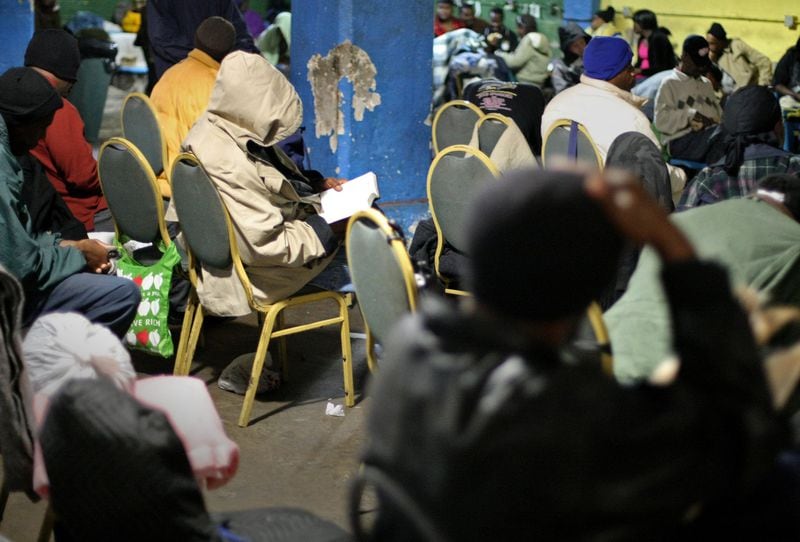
x: 355, y: 195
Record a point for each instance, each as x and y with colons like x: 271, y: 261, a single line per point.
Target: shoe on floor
x: 236, y: 376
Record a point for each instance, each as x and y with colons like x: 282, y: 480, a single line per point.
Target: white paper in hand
x: 355, y: 195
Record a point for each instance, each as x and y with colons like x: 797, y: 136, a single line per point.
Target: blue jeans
x: 107, y: 300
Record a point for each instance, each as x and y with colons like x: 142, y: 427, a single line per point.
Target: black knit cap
x: 216, y: 37
x: 540, y: 249
x: 56, y: 51
x: 718, y: 31
x: 26, y: 96
x: 697, y: 48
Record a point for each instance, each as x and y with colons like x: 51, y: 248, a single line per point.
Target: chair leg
x: 46, y: 529
x: 186, y: 328
x: 4, y: 493
x: 372, y: 362
x: 197, y: 324
x: 283, y: 358
x: 258, y: 365
x: 347, y: 356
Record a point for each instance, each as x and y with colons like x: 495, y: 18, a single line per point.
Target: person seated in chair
x: 744, y: 64
x: 754, y: 237
x: 64, y: 152
x: 687, y: 112
x: 50, y: 269
x: 567, y: 71
x: 532, y: 55
x: 602, y: 101
x: 181, y: 95
x: 274, y: 206
x: 484, y: 424
x: 787, y: 78
x: 752, y: 132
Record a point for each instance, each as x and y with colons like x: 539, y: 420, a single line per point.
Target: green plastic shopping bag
x: 150, y: 328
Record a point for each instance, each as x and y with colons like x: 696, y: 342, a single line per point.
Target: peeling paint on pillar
x: 343, y: 61
x: 391, y: 140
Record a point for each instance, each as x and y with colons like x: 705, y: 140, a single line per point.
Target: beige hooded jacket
x: 253, y: 101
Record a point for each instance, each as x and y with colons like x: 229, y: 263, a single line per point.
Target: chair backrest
x: 453, y: 124
x: 205, y: 222
x: 455, y: 177
x: 129, y: 186
x: 89, y: 94
x: 381, y: 270
x: 490, y: 128
x: 201, y: 213
x: 569, y: 139
x: 140, y: 127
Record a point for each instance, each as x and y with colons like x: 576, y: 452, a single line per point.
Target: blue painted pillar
x: 580, y: 11
x: 16, y: 27
x: 392, y: 139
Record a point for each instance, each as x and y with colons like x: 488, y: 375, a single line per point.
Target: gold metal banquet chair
x: 456, y: 176
x: 382, y: 275
x: 211, y: 242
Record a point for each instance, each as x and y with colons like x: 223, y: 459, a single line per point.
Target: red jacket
x: 69, y: 164
x: 440, y: 27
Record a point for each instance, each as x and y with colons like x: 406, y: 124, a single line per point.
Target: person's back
x: 171, y: 26
x: 282, y: 240
x: 182, y: 93
x: 751, y: 128
x: 64, y: 152
x: 602, y: 101
x: 759, y: 246
x: 489, y: 426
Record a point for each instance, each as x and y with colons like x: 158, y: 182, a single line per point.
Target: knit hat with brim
x: 117, y: 469
x: 26, y: 96
x: 540, y: 248
x: 56, y: 51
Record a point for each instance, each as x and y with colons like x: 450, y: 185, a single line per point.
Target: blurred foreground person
x: 484, y: 422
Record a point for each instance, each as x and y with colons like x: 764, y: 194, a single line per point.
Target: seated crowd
x: 490, y: 418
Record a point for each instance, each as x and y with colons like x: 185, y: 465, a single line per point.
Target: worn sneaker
x: 236, y: 375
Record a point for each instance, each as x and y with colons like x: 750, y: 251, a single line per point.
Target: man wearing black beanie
x: 64, y: 153
x: 49, y: 268
x: 483, y: 421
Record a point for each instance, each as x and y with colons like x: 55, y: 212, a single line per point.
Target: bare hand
x: 95, y: 252
x: 637, y: 215
x: 331, y: 182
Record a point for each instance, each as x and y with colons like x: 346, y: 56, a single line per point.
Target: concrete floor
x: 292, y: 454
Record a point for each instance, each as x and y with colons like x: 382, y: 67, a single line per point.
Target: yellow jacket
x: 746, y: 65
x: 180, y: 98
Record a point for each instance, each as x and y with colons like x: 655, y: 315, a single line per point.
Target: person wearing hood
x: 530, y: 59
x: 752, y: 130
x: 602, y: 101
x: 567, y: 71
x: 283, y: 242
